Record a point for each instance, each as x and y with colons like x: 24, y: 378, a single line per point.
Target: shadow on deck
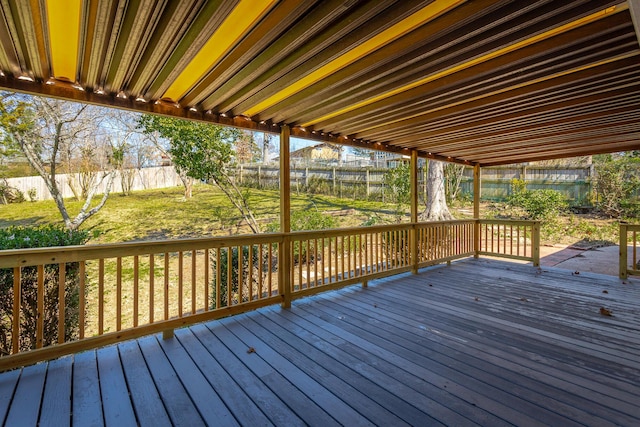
x: 479, y: 342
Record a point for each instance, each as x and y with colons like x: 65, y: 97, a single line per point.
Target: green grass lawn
x: 165, y: 213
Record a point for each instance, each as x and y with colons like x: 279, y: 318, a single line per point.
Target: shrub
x: 10, y: 194
x: 617, y: 184
x: 25, y: 237
x: 537, y: 204
x: 33, y: 194
x: 248, y: 287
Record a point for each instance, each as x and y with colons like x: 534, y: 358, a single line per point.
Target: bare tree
x: 163, y: 146
x: 52, y: 133
x: 437, y: 209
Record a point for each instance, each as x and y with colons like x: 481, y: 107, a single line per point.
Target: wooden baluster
x: 298, y: 244
x: 240, y: 273
x: 270, y: 262
x: 342, y: 262
x: 17, y: 297
x: 250, y: 278
x: 136, y: 285
x: 351, y: 261
x: 62, y: 278
x: 322, y: 246
x: 229, y: 274
x: 40, y: 308
x: 218, y: 278
x: 118, y: 293
x: 315, y: 262
x: 366, y: 254
x: 180, y: 282
x: 308, y: 262
x: 151, y: 287
x: 360, y: 256
x: 205, y: 262
x: 260, y: 269
x: 82, y: 307
x: 101, y: 296
x: 194, y: 257
x: 329, y: 262
x: 166, y: 285
x: 634, y: 266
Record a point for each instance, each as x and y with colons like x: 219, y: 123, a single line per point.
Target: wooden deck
x: 481, y: 342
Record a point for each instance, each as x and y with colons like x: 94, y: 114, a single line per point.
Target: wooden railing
x: 67, y: 299
x: 510, y: 239
x: 629, y: 258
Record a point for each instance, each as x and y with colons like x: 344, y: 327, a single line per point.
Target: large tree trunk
x: 437, y: 209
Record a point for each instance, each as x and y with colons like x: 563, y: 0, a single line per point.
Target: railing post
x: 476, y: 211
x: 413, y: 232
x: 535, y: 243
x: 284, y: 248
x: 623, y: 251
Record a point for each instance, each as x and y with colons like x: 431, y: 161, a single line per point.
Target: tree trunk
x: 437, y: 209
x: 187, y: 181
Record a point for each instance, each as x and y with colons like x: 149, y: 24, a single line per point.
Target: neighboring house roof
x: 309, y: 152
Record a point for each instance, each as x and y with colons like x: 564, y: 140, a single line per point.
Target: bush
x: 25, y: 237
x: 617, y: 184
x: 248, y: 288
x: 537, y: 204
x: 10, y: 194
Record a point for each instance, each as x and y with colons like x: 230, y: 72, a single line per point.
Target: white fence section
x: 139, y: 179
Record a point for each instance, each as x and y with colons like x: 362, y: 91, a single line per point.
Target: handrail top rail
x: 630, y: 227
x: 509, y: 221
x: 11, y: 258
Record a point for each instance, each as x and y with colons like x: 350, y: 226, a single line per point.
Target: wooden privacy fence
x: 63, y: 300
x: 629, y: 250
x: 575, y: 183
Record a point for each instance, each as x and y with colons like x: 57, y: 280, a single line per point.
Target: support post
x: 535, y: 243
x: 623, y: 251
x: 413, y: 239
x: 284, y: 248
x: 476, y: 210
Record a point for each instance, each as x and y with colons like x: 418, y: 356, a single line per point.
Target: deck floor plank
x: 538, y: 393
x: 239, y: 403
x: 202, y: 394
x: 463, y: 347
x: 301, y: 404
x: 367, y: 397
x: 8, y: 383
x: 56, y: 402
x: 479, y: 342
x: 440, y: 405
x: 330, y: 392
x: 116, y: 403
x: 86, y: 402
x: 483, y: 396
x: 179, y: 405
x: 148, y: 406
x: 27, y: 400
x: 257, y: 390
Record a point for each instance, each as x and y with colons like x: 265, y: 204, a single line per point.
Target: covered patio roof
x: 478, y: 82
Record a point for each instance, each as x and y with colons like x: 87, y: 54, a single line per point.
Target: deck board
x: 86, y: 400
x: 56, y: 402
x: 25, y: 408
x: 116, y: 404
x: 480, y: 342
x: 147, y: 404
